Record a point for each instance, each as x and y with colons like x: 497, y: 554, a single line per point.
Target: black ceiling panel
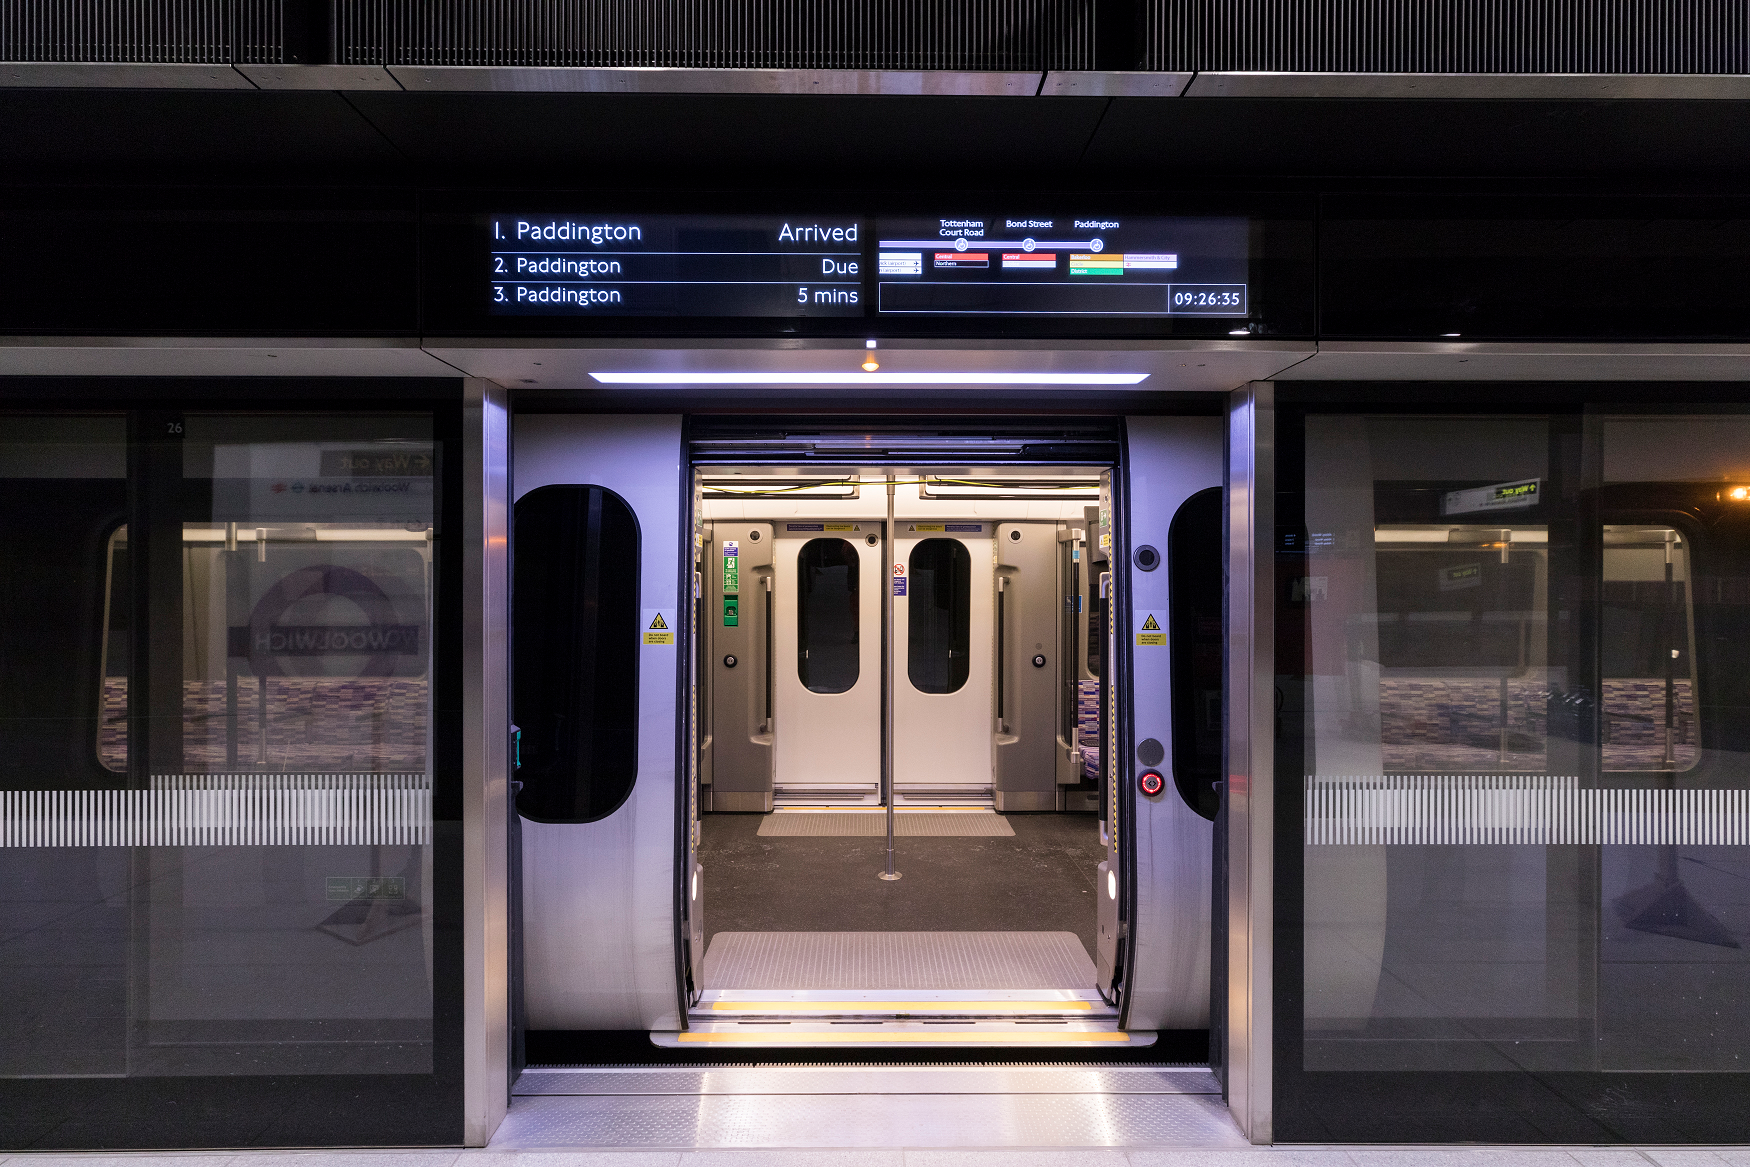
x: 725, y: 140
x: 188, y: 135
x: 1169, y: 139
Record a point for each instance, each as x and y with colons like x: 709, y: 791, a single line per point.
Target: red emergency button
x: 1151, y: 783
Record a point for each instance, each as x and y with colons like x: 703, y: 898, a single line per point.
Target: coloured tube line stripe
x: 1096, y: 265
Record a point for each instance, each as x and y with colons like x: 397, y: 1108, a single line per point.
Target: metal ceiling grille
x: 178, y: 32
x: 1343, y: 36
x: 1448, y: 36
x: 720, y: 34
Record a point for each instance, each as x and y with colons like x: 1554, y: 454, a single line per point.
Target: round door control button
x: 1151, y: 783
x: 729, y: 661
x: 1039, y: 661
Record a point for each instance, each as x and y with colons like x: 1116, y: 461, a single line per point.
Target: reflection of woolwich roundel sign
x: 382, y: 640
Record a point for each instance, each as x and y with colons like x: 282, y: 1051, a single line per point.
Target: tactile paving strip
x: 907, y: 823
x: 898, y: 960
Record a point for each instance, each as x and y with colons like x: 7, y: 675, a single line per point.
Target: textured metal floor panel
x: 867, y: 1120
x: 908, y: 824
x: 761, y: 1080
x: 897, y: 960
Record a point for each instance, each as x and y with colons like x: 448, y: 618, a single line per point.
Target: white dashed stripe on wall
x: 1538, y: 810
x: 215, y: 818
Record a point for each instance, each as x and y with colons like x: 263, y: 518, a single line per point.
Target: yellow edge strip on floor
x: 910, y: 1035
x: 902, y: 1006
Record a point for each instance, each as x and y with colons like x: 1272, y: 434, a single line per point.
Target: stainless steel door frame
x: 1250, y: 711
x: 485, y: 760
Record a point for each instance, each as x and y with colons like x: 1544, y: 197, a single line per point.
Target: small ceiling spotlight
x: 870, y: 364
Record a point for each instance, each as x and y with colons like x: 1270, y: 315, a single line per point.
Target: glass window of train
x: 112, y: 698
x: 574, y: 643
x: 1096, y: 604
x: 306, y: 638
x: 827, y: 616
x: 939, y: 616
x: 1070, y: 591
x: 1647, y: 651
x: 1193, y: 544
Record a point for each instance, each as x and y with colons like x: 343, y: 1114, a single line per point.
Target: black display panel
x: 1062, y: 265
x: 711, y: 263
x: 675, y: 265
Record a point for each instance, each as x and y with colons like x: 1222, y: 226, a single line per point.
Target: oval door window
x: 826, y: 616
x: 939, y: 623
x: 574, y: 642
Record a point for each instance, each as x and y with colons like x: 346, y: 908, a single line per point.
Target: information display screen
x: 1066, y: 265
x: 676, y: 265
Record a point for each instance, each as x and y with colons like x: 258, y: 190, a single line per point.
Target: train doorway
x: 900, y: 668
x: 879, y: 684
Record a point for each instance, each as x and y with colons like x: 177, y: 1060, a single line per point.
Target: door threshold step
x: 959, y: 1034
x: 945, y: 996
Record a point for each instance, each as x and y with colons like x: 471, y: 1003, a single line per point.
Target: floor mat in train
x: 897, y: 960
x: 906, y: 823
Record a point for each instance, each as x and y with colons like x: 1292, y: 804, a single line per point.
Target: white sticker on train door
x: 658, y: 627
x: 1151, y: 629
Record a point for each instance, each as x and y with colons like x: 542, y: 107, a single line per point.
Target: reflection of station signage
x: 1504, y: 496
x: 1464, y: 575
x: 324, y: 640
x: 374, y: 464
x: 275, y: 482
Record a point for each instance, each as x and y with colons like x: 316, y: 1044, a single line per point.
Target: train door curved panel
x: 826, y: 658
x: 944, y: 630
x: 1169, y: 459
x: 598, y: 897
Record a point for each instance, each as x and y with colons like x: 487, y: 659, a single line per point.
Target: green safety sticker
x: 731, y: 567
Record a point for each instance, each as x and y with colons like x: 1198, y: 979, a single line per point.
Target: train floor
x: 1039, y: 880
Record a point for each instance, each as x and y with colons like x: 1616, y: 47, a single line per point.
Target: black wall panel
x: 283, y: 262
x: 1518, y: 268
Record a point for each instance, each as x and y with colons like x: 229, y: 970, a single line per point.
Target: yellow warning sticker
x: 926, y: 527
x: 1149, y: 633
x: 840, y: 527
x: 1151, y: 625
x: 657, y: 629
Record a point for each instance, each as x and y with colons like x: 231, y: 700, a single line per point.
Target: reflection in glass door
x: 1518, y: 728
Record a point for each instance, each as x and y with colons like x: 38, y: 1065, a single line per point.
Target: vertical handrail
x: 889, y: 677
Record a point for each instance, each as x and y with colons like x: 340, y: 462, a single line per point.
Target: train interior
x: 897, y: 788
